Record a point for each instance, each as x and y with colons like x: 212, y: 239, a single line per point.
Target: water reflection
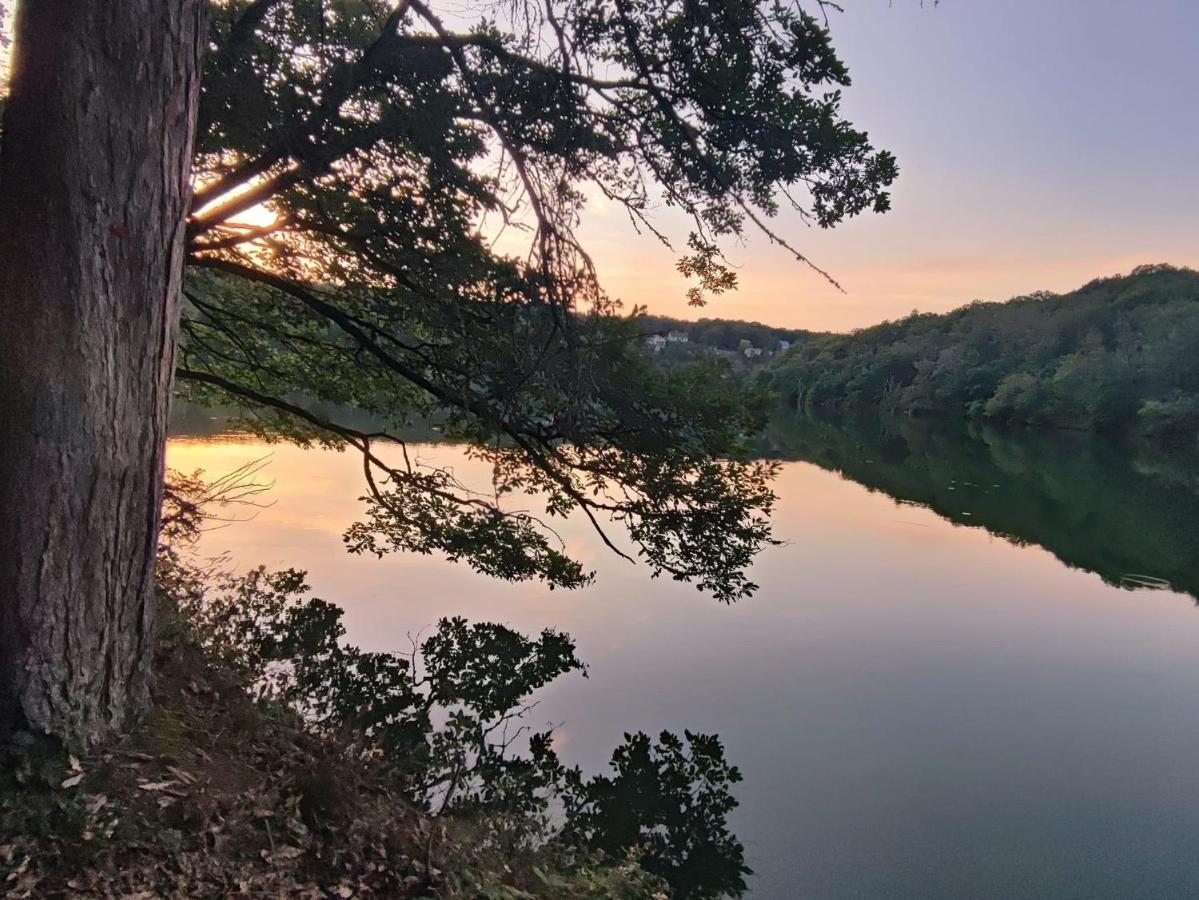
x: 1126, y: 512
x: 919, y: 709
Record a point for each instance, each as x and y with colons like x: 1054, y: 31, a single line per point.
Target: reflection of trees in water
x: 1126, y: 512
x: 1118, y: 509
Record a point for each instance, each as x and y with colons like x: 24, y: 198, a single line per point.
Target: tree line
x: 723, y: 334
x: 1116, y: 355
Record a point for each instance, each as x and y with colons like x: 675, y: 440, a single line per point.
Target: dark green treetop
x: 1116, y: 355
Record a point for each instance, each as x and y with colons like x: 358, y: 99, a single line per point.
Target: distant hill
x: 1118, y: 354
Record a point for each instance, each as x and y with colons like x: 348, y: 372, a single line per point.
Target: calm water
x: 942, y: 688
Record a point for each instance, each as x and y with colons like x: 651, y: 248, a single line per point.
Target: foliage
x: 577, y: 879
x: 272, y: 761
x: 423, y: 178
x: 445, y: 718
x: 671, y: 798
x: 1117, y: 354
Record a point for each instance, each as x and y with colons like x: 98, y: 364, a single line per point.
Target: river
x: 951, y: 683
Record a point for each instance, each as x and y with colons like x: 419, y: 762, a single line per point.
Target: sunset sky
x: 1041, y: 143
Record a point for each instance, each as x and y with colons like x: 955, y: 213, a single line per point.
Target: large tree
x: 93, y: 192
x: 385, y: 219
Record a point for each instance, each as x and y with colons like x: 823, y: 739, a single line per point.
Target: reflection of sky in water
x: 919, y: 710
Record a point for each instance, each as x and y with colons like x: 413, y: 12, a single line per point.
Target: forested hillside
x: 1118, y: 354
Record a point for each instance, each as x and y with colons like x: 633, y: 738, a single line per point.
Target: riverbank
x: 213, y: 795
x: 278, y: 759
x: 216, y: 794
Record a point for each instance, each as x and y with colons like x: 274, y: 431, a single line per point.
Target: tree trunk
x: 94, y: 166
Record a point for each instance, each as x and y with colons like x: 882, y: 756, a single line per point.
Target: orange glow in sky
x: 1040, y: 146
x: 1029, y: 160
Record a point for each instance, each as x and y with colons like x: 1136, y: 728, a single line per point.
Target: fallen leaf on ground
x: 156, y: 785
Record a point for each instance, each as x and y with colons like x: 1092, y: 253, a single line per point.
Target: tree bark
x: 94, y: 166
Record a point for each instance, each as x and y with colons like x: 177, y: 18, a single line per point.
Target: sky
x: 1041, y: 143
